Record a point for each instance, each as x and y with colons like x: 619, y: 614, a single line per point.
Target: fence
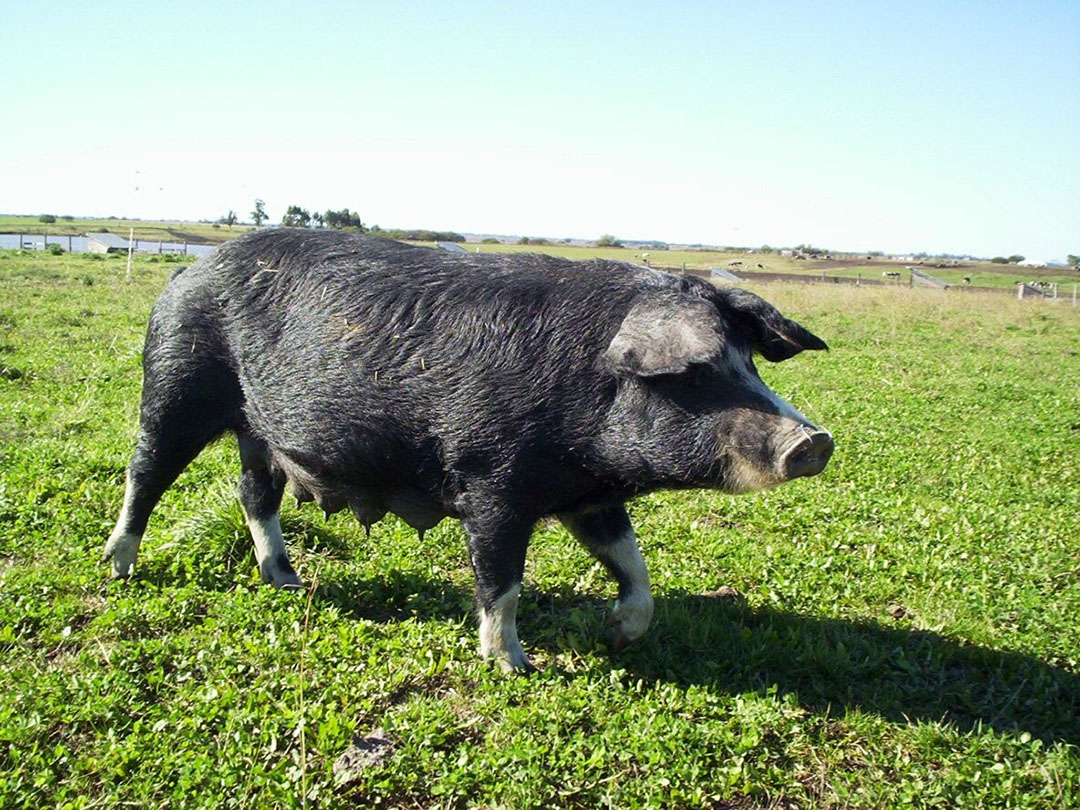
x: 1025, y: 290
x: 81, y: 244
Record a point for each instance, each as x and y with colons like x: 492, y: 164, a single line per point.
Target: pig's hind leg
x: 260, y: 489
x: 606, y: 532
x: 185, y: 406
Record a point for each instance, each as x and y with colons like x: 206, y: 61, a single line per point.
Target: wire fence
x: 1040, y: 291
x: 81, y: 244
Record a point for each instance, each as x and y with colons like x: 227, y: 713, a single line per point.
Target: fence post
x: 1074, y: 295
x: 131, y: 242
x: 1019, y: 291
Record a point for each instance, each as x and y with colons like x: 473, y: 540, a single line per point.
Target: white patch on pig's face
x: 745, y: 471
x: 498, y: 633
x: 738, y: 364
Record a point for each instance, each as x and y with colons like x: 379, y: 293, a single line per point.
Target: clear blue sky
x: 941, y: 126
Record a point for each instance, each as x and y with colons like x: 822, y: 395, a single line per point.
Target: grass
x: 195, y: 232
x: 906, y: 632
x: 980, y: 274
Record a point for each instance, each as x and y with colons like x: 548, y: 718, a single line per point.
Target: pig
x: 367, y: 374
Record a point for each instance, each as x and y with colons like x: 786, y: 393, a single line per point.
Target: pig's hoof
x: 278, y: 572
x: 511, y: 660
x: 121, y: 549
x: 631, y: 617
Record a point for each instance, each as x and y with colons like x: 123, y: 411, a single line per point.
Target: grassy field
x: 196, y: 232
x: 981, y: 274
x: 905, y: 632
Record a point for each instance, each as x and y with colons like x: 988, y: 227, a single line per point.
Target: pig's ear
x: 664, y: 335
x: 772, y: 335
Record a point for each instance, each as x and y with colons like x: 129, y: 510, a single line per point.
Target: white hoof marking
x: 274, y: 566
x: 122, y: 549
x: 498, y: 633
x: 632, y: 615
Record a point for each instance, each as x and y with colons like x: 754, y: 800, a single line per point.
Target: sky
x: 945, y: 127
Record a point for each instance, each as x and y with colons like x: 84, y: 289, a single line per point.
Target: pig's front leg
x: 497, y: 550
x: 606, y: 532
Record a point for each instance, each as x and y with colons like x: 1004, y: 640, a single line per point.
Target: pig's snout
x: 808, y: 455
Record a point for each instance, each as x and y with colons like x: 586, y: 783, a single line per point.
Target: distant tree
x: 999, y: 260
x: 296, y: 217
x: 259, y: 215
x: 607, y: 240
x: 1074, y: 262
x: 343, y: 219
x: 317, y: 220
x: 523, y: 240
x: 491, y: 240
x: 765, y: 249
x: 47, y: 218
x: 67, y: 217
x: 229, y: 219
x: 1016, y: 258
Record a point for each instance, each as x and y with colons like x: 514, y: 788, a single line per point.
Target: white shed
x: 105, y: 243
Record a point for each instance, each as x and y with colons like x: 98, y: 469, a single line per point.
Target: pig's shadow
x: 829, y: 665
x: 832, y: 665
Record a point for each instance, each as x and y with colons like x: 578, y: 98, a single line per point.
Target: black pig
x: 494, y: 389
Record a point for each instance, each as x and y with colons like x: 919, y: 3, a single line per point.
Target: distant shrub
x: 490, y: 240
x: 67, y: 217
x: 54, y: 249
x: 46, y: 218
x: 999, y: 260
x: 418, y: 235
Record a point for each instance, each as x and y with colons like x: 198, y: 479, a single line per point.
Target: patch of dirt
x: 363, y: 753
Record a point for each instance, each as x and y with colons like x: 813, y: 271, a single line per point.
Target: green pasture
x: 981, y: 274
x: 197, y: 232
x: 902, y: 630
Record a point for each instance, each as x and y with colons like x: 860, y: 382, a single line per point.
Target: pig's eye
x: 698, y: 373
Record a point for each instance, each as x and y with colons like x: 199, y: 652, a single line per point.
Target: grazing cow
x: 495, y: 389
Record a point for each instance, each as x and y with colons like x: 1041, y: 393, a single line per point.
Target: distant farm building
x: 105, y: 243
